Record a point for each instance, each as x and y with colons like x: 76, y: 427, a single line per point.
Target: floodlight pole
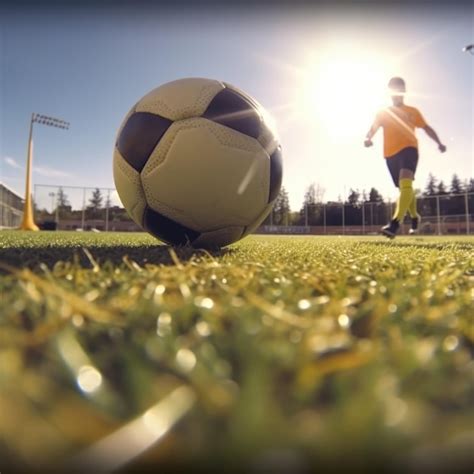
x: 28, y: 221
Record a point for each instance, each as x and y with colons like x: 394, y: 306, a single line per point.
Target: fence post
x: 466, y: 206
x: 57, y: 211
x: 107, y: 212
x: 438, y: 214
x: 324, y: 217
x: 343, y: 220
x: 83, y: 208
x: 363, y: 218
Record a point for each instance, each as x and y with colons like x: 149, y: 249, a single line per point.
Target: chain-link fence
x: 80, y: 208
x: 86, y: 208
x: 440, y: 215
x: 11, y: 208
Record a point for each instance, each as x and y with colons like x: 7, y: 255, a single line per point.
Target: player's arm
x: 421, y: 123
x: 372, y: 131
x: 434, y: 136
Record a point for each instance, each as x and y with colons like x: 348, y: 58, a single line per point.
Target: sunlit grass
x: 293, y: 351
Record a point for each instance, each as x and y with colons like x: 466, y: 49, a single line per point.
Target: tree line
x: 95, y: 208
x: 315, y: 211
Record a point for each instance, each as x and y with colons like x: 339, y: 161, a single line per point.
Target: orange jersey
x: 398, y: 125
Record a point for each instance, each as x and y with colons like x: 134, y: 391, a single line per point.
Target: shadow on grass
x: 146, y: 254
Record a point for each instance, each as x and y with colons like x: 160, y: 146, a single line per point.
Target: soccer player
x: 401, y: 151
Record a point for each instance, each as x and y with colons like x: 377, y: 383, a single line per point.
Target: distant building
x: 11, y: 207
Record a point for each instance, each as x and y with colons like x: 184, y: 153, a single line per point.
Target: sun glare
x: 342, y: 90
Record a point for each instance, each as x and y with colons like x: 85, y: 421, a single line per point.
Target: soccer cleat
x: 415, y: 221
x: 390, y: 230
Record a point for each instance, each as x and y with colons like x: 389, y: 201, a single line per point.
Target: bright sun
x: 342, y: 90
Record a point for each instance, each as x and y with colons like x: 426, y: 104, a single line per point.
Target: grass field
x: 277, y: 354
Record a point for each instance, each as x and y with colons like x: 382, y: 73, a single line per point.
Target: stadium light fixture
x: 469, y: 49
x: 28, y: 221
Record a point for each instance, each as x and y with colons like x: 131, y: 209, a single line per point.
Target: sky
x: 321, y: 71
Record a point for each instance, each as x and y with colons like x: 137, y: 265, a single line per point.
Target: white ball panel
x: 254, y: 225
x: 129, y: 188
x: 181, y: 99
x: 219, y: 238
x: 213, y: 164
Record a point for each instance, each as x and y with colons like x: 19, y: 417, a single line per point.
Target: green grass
x: 300, y: 353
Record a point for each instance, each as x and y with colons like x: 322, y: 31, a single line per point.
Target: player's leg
x: 407, y: 161
x: 407, y: 194
x: 393, y: 164
x: 415, y: 217
x: 410, y: 162
x: 412, y: 208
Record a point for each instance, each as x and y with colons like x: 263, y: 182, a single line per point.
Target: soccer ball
x: 197, y: 162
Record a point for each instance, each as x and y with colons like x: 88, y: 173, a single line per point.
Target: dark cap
x: 397, y: 84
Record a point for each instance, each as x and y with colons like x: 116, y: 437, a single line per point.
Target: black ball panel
x: 139, y: 137
x: 276, y: 173
x: 166, y: 229
x: 232, y: 110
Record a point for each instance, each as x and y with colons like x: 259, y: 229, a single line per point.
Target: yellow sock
x: 404, y: 201
x: 412, y: 207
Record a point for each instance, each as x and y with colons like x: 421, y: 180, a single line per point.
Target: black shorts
x: 406, y: 158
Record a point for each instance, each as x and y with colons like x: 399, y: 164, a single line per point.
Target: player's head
x: 397, y: 90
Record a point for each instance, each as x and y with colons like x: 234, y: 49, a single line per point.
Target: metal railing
x: 440, y: 214
x: 11, y: 206
x: 74, y: 208
x: 80, y: 208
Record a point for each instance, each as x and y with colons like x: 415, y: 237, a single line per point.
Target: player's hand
x: 442, y: 148
x: 368, y: 143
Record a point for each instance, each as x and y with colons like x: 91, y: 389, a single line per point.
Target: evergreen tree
x: 456, y: 186
x: 353, y: 211
x: 63, y: 205
x: 375, y: 212
x: 375, y: 196
x: 441, y: 188
x: 456, y: 203
x: 108, y: 202
x: 62, y: 199
x: 310, y: 195
x: 470, y: 189
x: 281, y: 208
x: 354, y: 198
x: 431, y: 188
x: 310, y: 210
x: 470, y: 185
x: 95, y: 202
